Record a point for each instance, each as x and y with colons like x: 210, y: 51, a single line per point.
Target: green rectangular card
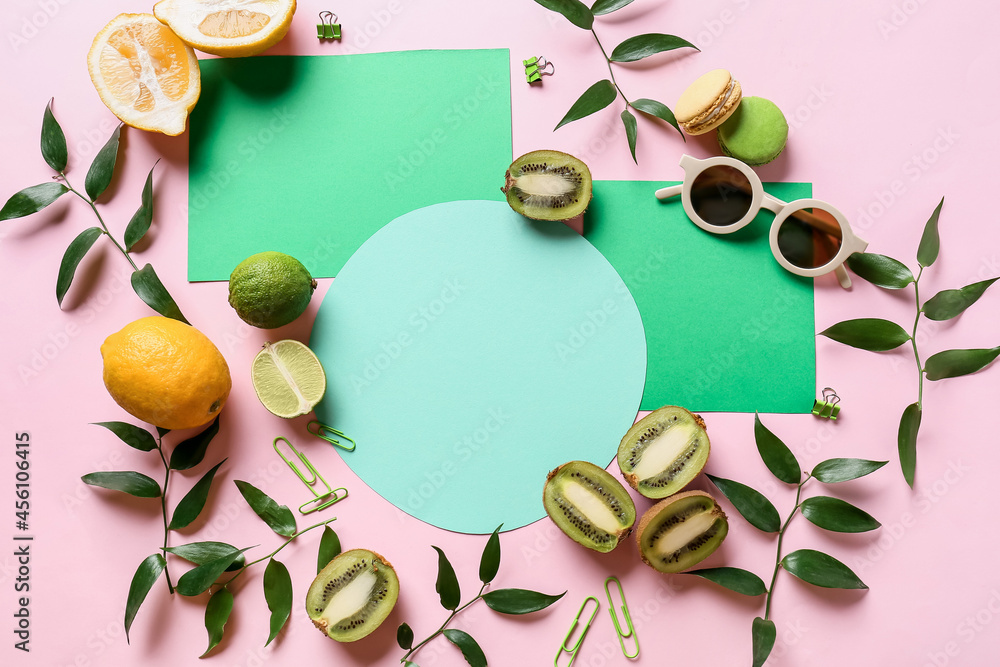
x: 727, y: 329
x: 311, y: 155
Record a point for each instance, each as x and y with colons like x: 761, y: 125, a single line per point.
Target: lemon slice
x: 288, y: 378
x: 231, y: 28
x: 144, y: 73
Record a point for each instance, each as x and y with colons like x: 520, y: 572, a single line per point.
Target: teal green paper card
x: 310, y: 155
x: 727, y: 329
x: 494, y: 350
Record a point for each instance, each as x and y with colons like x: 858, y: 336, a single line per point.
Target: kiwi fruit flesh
x: 589, y: 505
x: 679, y: 532
x: 663, y: 451
x: 548, y: 185
x: 352, y: 595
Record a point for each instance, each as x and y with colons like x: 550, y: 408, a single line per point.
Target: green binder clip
x: 829, y: 406
x: 322, y: 500
x: 321, y: 430
x: 535, y: 68
x: 328, y: 28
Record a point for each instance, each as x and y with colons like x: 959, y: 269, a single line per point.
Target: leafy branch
x: 811, y: 566
x: 515, y: 601
x: 879, y: 335
x: 603, y: 93
x: 145, y: 282
x: 211, y: 559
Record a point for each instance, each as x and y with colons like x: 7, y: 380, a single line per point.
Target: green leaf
x: 518, y: 601
x: 74, y: 254
x: 278, y: 594
x: 832, y: 471
x: 657, y: 109
x: 578, y: 13
x: 750, y: 503
x: 930, y: 241
x: 880, y: 270
x: 764, y: 634
x: 643, y: 46
x: 733, y: 578
x: 278, y: 517
x: 142, y: 581
x: 909, y: 425
x: 193, y: 502
x: 598, y: 96
x: 630, y: 131
x: 602, y: 7
x: 470, y: 649
x: 131, y: 435
x: 837, y: 515
x: 200, y: 553
x: 162, y: 431
x: 950, y: 303
x: 191, y: 452
x: 776, y: 455
x: 819, y: 569
x: 955, y: 363
x: 147, y: 285
x: 103, y: 167
x: 217, y: 612
x: 329, y: 548
x: 868, y: 333
x: 404, y: 636
x: 447, y: 583
x: 32, y: 200
x: 139, y: 224
x: 199, y: 579
x: 133, y: 483
x: 489, y: 564
x: 53, y: 141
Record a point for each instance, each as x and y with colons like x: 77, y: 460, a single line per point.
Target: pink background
x: 890, y: 108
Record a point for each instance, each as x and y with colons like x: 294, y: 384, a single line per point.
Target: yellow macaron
x: 707, y: 102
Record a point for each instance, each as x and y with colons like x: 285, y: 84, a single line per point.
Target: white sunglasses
x: 809, y: 237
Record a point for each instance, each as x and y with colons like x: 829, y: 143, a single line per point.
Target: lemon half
x: 230, y: 28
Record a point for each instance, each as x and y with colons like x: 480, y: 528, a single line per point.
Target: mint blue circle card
x: 469, y: 351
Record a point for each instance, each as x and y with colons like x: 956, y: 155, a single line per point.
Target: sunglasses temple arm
x: 843, y: 277
x: 668, y: 192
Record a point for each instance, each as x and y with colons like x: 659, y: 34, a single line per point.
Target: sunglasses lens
x: 721, y: 195
x: 810, y: 238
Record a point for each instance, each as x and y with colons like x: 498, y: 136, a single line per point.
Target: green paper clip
x: 324, y: 431
x: 630, y: 631
x: 535, y: 68
x: 322, y: 500
x: 583, y: 633
x: 328, y: 28
x: 828, y: 407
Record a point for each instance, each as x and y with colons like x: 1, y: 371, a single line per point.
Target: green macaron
x: 756, y: 132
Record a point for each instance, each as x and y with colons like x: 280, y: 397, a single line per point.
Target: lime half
x: 288, y: 378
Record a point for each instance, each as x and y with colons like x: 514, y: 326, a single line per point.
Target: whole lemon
x: 166, y: 373
x: 270, y: 289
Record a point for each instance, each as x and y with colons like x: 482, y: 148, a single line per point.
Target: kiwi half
x: 589, y: 505
x: 352, y: 595
x: 548, y: 185
x: 663, y: 451
x: 680, y: 532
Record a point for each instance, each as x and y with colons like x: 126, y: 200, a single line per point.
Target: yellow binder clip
x: 583, y: 633
x: 629, y: 629
x: 321, y: 500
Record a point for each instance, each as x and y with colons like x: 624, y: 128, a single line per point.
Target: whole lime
x: 270, y: 289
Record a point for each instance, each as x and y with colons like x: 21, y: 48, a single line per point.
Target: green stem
x: 275, y: 552
x: 913, y: 339
x: 445, y: 624
x: 101, y: 220
x: 163, y: 505
x: 781, y: 537
x: 610, y: 71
